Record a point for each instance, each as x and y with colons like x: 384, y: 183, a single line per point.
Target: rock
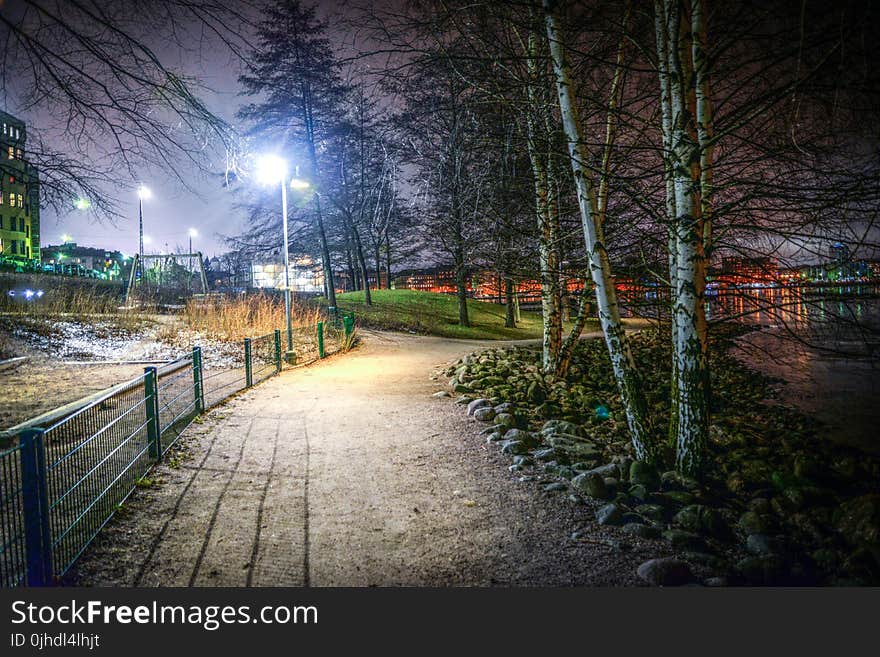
x: 503, y: 408
x: 751, y: 522
x: 546, y: 454
x: 683, y: 540
x: 516, y: 467
x: 665, y: 572
x: 590, y: 484
x: 561, y: 426
x: 461, y: 388
x: 477, y: 404
x: 701, y: 519
x: 762, y: 544
x: 858, y: 520
x: 494, y: 437
x: 760, y: 505
x: 638, y: 492
x: 653, y: 512
x: 463, y: 400
x: 525, y: 437
x: 642, y: 473
x: 523, y: 460
x: 442, y: 393
x: 514, y: 447
x: 610, y: 514
x: 680, y: 497
x: 487, y: 430
x: 624, y: 466
x: 764, y: 570
x: 807, y: 467
x: 484, y: 414
x: 641, y: 530
x: 706, y: 559
x: 608, y: 470
x: 715, y: 581
x: 505, y: 420
x: 555, y: 487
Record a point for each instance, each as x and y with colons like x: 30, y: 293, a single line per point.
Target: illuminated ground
x: 351, y: 473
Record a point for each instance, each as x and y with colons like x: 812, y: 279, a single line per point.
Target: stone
x: 751, y: 522
x: 464, y: 400
x: 706, y: 559
x: 638, y: 492
x: 505, y: 420
x: 610, y: 514
x: 680, y: 497
x: 487, y: 430
x: 764, y: 569
x: 653, y: 512
x: 523, y: 460
x: 641, y: 530
x: 503, y: 408
x: 761, y: 544
x: 683, y: 540
x: 525, y: 437
x: 546, y: 454
x: 590, y: 484
x: 701, y: 519
x: 494, y: 437
x: 642, y: 473
x: 555, y: 487
x: 858, y: 520
x: 484, y: 414
x: 442, y: 393
x: 715, y: 582
x: 477, y: 404
x: 561, y: 426
x: 461, y: 388
x: 514, y: 447
x: 607, y: 470
x: 665, y: 572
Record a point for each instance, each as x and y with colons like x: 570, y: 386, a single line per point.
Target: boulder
x: 858, y: 520
x: 514, y: 447
x: 610, y: 514
x: 590, y: 484
x: 752, y: 522
x: 486, y: 414
x: 641, y: 530
x: 642, y: 473
x: 702, y: 520
x: 665, y: 572
x: 478, y: 404
x: 505, y: 420
x: 761, y: 544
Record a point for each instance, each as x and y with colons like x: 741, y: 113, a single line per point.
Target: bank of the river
x: 780, y: 504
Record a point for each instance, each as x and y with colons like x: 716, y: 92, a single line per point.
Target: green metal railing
x: 61, y: 483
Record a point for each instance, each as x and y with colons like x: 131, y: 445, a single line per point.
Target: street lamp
x: 271, y: 170
x: 192, y: 233
x: 143, y: 193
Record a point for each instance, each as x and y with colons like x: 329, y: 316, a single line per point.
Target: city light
x: 144, y: 192
x: 66, y: 238
x: 193, y: 232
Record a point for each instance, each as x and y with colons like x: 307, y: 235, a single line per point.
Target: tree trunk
x: 509, y: 310
x: 461, y: 292
x: 628, y: 378
x: 547, y: 235
x: 689, y: 346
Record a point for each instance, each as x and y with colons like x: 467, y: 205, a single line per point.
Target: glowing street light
x: 272, y: 170
x: 82, y: 203
x: 66, y: 238
x: 143, y: 193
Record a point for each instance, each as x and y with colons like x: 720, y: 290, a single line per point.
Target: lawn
x: 437, y: 314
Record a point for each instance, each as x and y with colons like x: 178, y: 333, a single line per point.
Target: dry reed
x: 244, y: 316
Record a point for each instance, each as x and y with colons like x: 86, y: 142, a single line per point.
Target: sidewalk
x: 348, y: 473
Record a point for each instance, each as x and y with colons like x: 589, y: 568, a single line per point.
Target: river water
x: 824, y: 344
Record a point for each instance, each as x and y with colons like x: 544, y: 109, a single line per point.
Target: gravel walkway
x: 349, y: 473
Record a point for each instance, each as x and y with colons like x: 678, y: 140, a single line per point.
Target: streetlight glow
x: 271, y: 169
x: 193, y: 232
x: 144, y: 192
x: 299, y: 183
x: 66, y: 238
x: 82, y: 203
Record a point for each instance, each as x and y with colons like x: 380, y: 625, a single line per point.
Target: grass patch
x: 437, y: 314
x: 244, y: 317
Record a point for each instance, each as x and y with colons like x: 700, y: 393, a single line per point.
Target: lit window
x: 11, y: 152
x: 18, y: 153
x: 1, y: 197
x: 17, y: 134
x: 20, y: 201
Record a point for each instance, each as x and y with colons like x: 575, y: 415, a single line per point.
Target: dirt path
x: 349, y: 473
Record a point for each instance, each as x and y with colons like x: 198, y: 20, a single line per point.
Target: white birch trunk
x: 627, y: 376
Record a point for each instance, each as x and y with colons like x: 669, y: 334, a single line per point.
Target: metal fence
x: 62, y: 482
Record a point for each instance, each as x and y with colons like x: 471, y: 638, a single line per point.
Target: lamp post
x: 192, y: 233
x: 143, y: 192
x: 270, y: 170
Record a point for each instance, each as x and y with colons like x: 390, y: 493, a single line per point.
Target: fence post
x: 35, y: 503
x: 277, y: 351
x: 348, y: 322
x: 151, y: 399
x: 320, y: 339
x: 248, y: 366
x: 198, y: 390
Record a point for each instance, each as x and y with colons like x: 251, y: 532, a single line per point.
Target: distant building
x: 19, y: 195
x: 839, y: 253
x: 305, y: 275
x: 71, y: 258
x: 742, y: 271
